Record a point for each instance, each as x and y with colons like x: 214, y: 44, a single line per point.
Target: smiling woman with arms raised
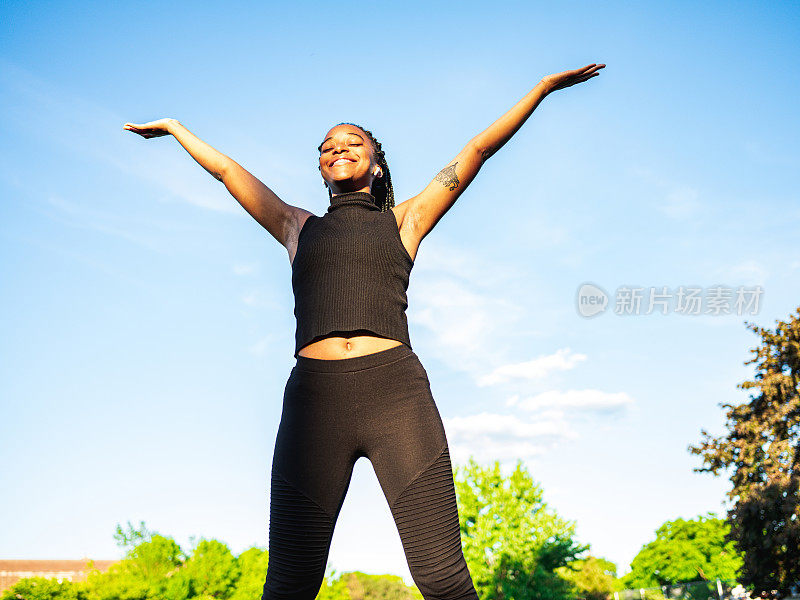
x: 357, y: 388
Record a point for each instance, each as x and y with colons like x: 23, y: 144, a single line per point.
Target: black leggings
x: 334, y: 412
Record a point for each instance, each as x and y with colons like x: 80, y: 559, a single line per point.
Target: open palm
x: 565, y: 79
x: 151, y: 129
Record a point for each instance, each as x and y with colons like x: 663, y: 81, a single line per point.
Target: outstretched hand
x: 151, y: 129
x: 565, y: 79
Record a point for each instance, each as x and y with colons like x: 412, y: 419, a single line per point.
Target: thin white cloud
x: 510, y: 437
x: 508, y: 426
x: 581, y: 400
x: 505, y: 437
x: 456, y: 297
x: 537, y: 368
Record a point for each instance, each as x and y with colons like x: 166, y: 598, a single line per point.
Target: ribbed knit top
x: 351, y: 272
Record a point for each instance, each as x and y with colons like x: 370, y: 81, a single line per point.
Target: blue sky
x: 147, y: 327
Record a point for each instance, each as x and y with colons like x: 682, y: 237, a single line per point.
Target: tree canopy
x: 761, y: 448
x: 513, y: 542
x: 592, y: 578
x: 684, y: 551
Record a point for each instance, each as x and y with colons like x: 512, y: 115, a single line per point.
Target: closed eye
x: 329, y: 148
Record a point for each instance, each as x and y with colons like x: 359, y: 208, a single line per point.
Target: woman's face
x: 346, y: 160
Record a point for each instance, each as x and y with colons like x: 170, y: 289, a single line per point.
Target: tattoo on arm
x: 448, y: 177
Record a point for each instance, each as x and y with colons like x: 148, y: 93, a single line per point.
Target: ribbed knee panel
x: 426, y: 514
x: 299, y: 540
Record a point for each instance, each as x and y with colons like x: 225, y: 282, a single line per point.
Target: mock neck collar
x: 359, y: 199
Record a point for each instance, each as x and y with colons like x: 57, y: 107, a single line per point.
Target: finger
x: 572, y: 82
x: 582, y: 79
x: 580, y: 71
x: 595, y: 69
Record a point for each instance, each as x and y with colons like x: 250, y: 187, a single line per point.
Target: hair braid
x: 382, y: 186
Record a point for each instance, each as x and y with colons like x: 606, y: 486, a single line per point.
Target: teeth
x: 340, y: 161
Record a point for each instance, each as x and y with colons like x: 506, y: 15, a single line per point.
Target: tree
x: 42, y: 588
x: 144, y: 574
x: 593, y: 578
x: 686, y: 550
x: 252, y: 564
x: 363, y: 586
x: 211, y: 572
x: 762, y: 449
x: 513, y: 542
x: 334, y: 587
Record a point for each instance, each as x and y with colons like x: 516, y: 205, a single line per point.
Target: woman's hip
x: 356, y: 390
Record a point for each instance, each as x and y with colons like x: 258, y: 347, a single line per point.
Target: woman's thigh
x: 316, y: 445
x: 402, y: 429
x: 311, y: 469
x: 411, y: 458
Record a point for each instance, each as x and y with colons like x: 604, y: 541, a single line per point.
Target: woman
x: 358, y: 389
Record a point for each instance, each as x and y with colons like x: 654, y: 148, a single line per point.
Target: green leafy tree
x: 146, y: 571
x: 334, y: 587
x: 592, y: 578
x: 762, y: 450
x: 252, y: 565
x: 513, y: 542
x: 42, y: 588
x: 211, y: 572
x: 363, y: 586
x: 686, y: 550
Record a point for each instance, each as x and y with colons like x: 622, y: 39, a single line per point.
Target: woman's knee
x: 300, y: 533
x: 444, y: 581
x: 279, y: 587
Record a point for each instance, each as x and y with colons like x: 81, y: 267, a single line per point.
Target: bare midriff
x: 337, y: 348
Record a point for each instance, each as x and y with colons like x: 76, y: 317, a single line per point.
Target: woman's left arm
x: 419, y: 214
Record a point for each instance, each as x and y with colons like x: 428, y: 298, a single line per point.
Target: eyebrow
x: 330, y: 137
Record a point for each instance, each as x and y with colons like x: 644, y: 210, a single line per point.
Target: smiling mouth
x: 341, y: 161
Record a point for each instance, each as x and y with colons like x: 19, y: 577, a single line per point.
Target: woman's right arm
x: 283, y: 221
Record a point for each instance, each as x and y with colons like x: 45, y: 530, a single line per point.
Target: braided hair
x: 382, y: 186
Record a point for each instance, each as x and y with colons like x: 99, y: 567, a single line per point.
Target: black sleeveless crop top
x: 350, y: 272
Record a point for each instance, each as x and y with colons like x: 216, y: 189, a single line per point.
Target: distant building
x: 12, y: 571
